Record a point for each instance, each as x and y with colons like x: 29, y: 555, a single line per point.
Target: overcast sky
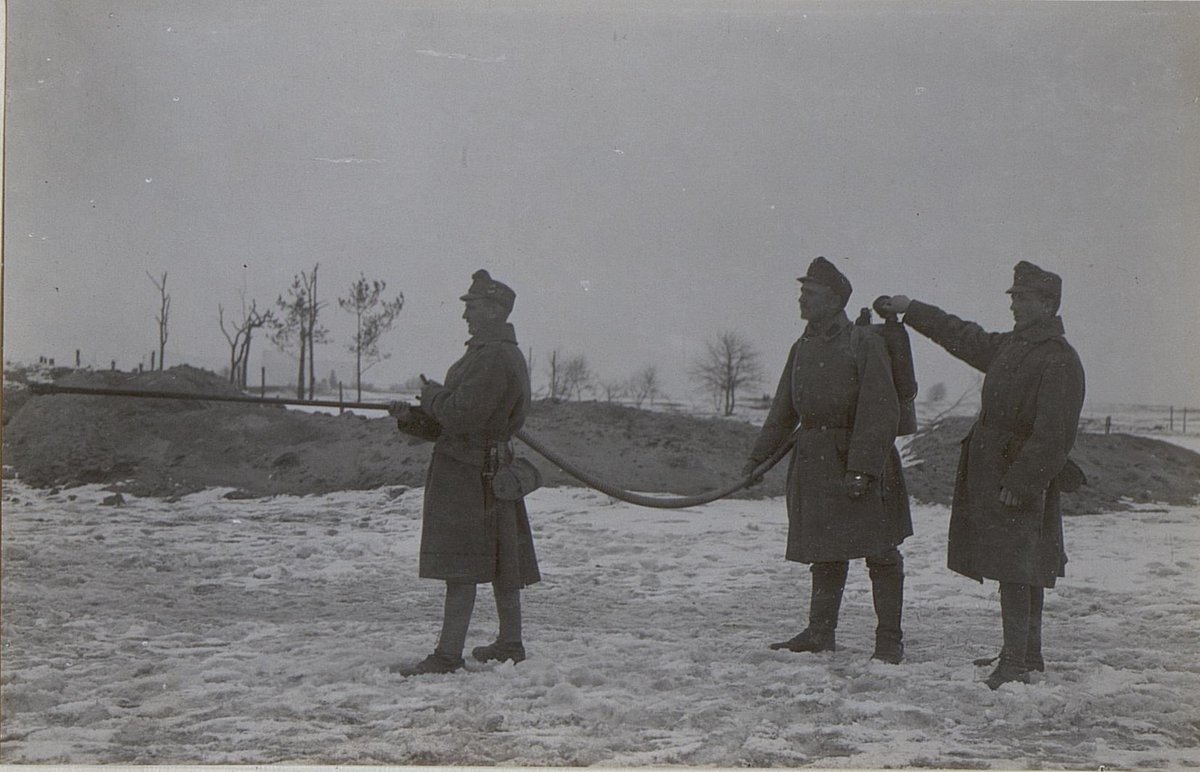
x: 644, y: 174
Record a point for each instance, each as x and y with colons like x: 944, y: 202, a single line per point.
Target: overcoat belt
x: 466, y: 536
x: 837, y: 388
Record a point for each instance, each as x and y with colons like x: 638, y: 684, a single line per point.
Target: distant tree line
x: 294, y: 325
x: 729, y: 366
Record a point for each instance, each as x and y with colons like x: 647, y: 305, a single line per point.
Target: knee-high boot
x: 1033, y: 641
x: 1033, y: 651
x: 828, y: 583
x: 887, y: 592
x: 1014, y: 615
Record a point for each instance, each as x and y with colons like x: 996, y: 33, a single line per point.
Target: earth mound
x: 1122, y: 470
x: 167, y: 448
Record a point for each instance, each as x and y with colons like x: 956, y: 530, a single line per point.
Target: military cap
x: 1027, y: 276
x: 484, y: 287
x: 823, y: 272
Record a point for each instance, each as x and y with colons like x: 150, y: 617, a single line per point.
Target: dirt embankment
x: 1122, y: 470
x: 166, y: 448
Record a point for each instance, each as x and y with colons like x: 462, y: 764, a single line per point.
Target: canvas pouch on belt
x: 516, y: 480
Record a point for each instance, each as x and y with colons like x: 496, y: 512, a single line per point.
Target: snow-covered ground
x: 259, y: 631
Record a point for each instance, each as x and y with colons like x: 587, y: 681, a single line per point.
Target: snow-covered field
x: 260, y: 631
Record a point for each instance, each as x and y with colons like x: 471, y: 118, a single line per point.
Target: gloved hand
x: 428, y: 390
x: 857, y: 484
x: 1008, y: 498
x: 398, y: 410
x: 748, y: 470
x: 891, y: 305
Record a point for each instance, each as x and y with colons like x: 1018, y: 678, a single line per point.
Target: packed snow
x: 218, y: 631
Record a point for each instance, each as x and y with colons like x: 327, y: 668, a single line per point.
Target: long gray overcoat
x: 837, y: 386
x: 1032, y: 396
x: 485, y: 397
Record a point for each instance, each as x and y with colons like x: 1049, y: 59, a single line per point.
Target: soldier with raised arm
x: 846, y: 497
x: 1005, y: 522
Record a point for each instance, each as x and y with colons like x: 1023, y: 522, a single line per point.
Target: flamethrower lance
x: 418, y: 423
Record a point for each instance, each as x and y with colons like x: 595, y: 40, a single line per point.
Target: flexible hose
x: 675, y: 502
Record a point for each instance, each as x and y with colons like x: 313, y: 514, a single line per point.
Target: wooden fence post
x: 1107, y: 424
x: 262, y: 383
x: 1172, y: 419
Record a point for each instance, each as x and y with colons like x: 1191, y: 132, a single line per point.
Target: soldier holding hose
x: 475, y: 528
x: 846, y: 496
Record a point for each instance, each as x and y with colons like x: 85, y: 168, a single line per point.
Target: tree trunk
x: 300, y: 372
x: 312, y: 370
x: 358, y: 372
x: 244, y: 367
x: 358, y: 347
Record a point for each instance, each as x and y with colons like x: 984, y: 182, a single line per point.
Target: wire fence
x: 1141, y: 419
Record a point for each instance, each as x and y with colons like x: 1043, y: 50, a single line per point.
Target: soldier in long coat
x: 469, y: 535
x: 1005, y: 522
x: 846, y: 496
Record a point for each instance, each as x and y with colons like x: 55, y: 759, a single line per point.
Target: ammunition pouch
x: 516, y: 480
x: 1070, y: 478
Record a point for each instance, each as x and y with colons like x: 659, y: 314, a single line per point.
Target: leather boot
x: 498, y: 650
x: 1014, y: 615
x: 507, y: 647
x: 456, y: 619
x: 1033, y: 651
x: 434, y: 664
x: 887, y: 592
x: 828, y: 582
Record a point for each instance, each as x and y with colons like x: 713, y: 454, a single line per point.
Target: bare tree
x: 297, y: 325
x: 290, y: 327
x: 577, y: 377
x: 644, y: 385
x: 254, y: 320
x: 164, y: 313
x: 373, y: 317
x: 613, y: 390
x: 242, y: 333
x: 568, y: 375
x: 554, y: 370
x: 729, y: 363
x: 313, y: 332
